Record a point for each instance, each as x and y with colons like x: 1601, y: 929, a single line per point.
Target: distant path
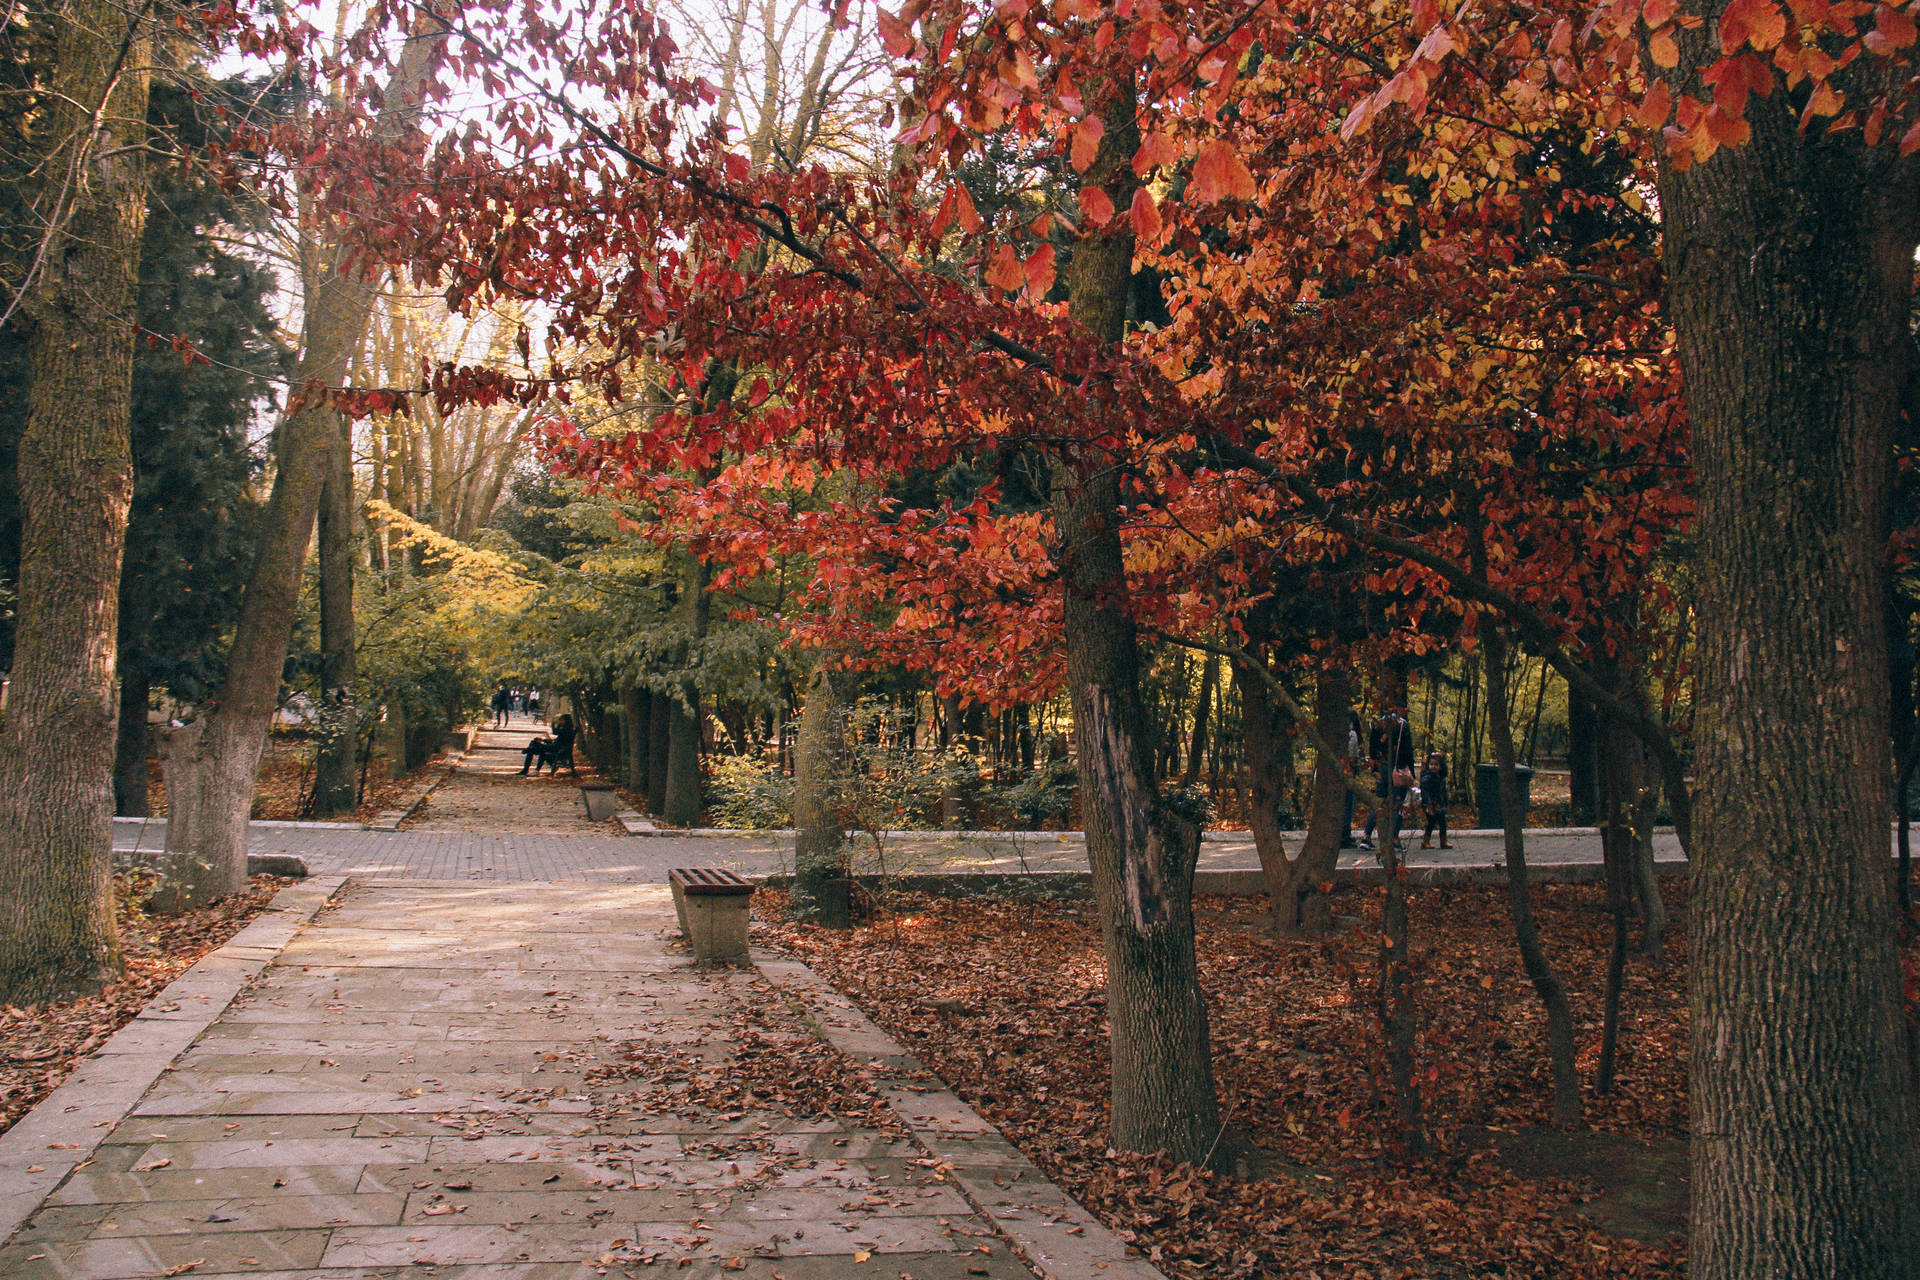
x: 486, y: 793
x: 487, y: 822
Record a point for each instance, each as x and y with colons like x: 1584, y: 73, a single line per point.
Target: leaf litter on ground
x: 40, y: 1045
x: 1005, y: 1001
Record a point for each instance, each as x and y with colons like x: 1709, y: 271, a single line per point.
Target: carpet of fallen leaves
x: 40, y: 1045
x: 286, y: 773
x: 1004, y: 1000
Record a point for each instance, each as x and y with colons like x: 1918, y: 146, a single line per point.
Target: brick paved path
x: 489, y: 823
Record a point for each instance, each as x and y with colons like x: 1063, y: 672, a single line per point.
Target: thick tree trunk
x: 1567, y: 1105
x: 131, y: 744
x: 635, y: 733
x: 1299, y: 908
x: 1142, y: 852
x: 1790, y: 278
x: 225, y: 759
x: 57, y: 936
x: 1583, y: 736
x: 333, y: 789
x: 682, y: 801
x: 822, y: 891
x: 659, y: 742
x: 1623, y: 780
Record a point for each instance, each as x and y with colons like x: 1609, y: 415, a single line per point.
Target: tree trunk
x: 636, y: 734
x: 333, y: 789
x: 1142, y: 852
x: 212, y: 848
x: 682, y: 801
x: 1299, y: 908
x: 131, y: 744
x: 1790, y: 278
x: 1623, y: 782
x: 1209, y: 677
x: 1567, y: 1106
x: 57, y: 936
x: 822, y: 891
x: 659, y: 739
x: 1583, y: 735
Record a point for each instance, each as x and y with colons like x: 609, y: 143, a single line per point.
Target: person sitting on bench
x: 552, y: 752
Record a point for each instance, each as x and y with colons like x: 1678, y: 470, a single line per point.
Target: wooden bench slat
x: 717, y: 880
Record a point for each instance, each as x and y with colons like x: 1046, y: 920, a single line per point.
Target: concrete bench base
x: 601, y: 802
x: 712, y: 907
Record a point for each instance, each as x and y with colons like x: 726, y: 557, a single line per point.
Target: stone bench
x: 712, y: 905
x: 601, y: 800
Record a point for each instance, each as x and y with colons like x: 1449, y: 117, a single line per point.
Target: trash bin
x: 1486, y: 792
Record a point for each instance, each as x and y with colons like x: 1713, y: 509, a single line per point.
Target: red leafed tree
x: 876, y: 364
x: 1788, y: 226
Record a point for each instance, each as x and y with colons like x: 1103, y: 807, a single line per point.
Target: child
x: 1433, y: 798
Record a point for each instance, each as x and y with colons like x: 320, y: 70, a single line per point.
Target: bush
x: 749, y: 794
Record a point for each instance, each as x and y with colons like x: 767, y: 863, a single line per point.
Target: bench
x: 712, y: 905
x: 601, y: 800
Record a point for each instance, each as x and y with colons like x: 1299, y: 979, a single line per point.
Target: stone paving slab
x: 64, y: 1131
x: 441, y: 1076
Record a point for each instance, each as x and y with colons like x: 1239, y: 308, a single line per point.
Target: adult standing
x: 1390, y: 747
x: 502, y: 705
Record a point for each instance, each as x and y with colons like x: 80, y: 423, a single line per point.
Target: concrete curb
x: 61, y: 1134
x: 390, y: 819
x: 1052, y: 1233
x: 270, y: 824
x: 1233, y: 882
x: 291, y: 865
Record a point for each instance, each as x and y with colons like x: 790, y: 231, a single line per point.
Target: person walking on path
x: 502, y: 705
x: 1390, y: 747
x: 1352, y: 766
x: 1433, y: 799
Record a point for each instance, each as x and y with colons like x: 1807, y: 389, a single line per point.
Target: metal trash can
x: 1486, y: 793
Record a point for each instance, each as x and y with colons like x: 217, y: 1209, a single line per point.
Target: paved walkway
x: 488, y: 793
x: 453, y: 1080
x: 487, y: 822
x: 452, y: 855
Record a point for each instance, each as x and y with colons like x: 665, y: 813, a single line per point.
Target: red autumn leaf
x: 964, y: 210
x: 1145, y: 215
x: 1039, y: 270
x: 1086, y: 143
x: 1655, y: 106
x: 1096, y: 207
x: 1759, y: 23
x: 1220, y: 174
x: 1156, y: 149
x: 1005, y: 271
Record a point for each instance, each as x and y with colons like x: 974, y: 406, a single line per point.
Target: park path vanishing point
x: 515, y: 1077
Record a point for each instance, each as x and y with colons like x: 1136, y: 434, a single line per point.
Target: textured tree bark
x: 131, y: 745
x: 333, y: 781
x: 1567, y: 1105
x: 659, y: 742
x: 1299, y: 908
x: 1197, y: 740
x: 635, y: 734
x: 208, y: 854
x: 1583, y: 732
x: 822, y: 891
x: 1622, y: 780
x: 1790, y: 277
x: 682, y: 804
x: 1142, y: 852
x: 57, y: 935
